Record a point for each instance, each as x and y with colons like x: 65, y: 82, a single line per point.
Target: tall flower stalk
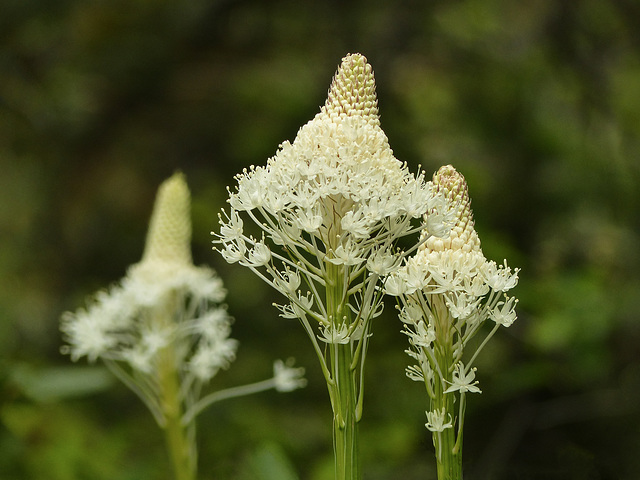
x: 328, y: 210
x: 163, y: 331
x: 446, y: 292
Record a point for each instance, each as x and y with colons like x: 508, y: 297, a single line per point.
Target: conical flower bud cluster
x: 452, y: 264
x: 453, y: 186
x: 353, y: 91
x: 169, y: 234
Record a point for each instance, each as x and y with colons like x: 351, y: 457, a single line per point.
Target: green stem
x: 181, y: 449
x: 344, y: 389
x: 180, y: 438
x: 225, y: 394
x: 448, y: 448
x: 448, y: 453
x: 345, y: 421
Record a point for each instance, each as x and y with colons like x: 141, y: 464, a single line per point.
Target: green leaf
x: 54, y: 383
x: 270, y: 462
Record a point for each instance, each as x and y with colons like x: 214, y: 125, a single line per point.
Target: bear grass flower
x: 446, y: 292
x: 163, y: 330
x: 328, y: 209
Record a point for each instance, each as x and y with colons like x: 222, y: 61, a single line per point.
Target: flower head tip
x: 453, y: 186
x: 353, y: 91
x: 169, y: 234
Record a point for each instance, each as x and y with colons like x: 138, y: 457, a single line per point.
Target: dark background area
x: 536, y: 103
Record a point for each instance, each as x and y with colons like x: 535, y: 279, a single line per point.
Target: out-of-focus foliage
x: 536, y: 103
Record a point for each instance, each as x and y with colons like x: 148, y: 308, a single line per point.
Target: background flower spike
x: 169, y: 234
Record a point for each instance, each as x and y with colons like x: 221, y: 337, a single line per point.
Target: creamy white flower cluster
x: 120, y: 324
x: 335, y: 196
x: 447, y: 290
x: 129, y: 322
x: 165, y: 310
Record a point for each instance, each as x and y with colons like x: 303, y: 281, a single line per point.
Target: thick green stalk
x: 345, y: 422
x: 179, y: 438
x: 344, y: 390
x: 448, y: 453
x: 180, y: 449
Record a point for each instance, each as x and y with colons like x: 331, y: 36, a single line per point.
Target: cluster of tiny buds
x: 353, y: 91
x: 453, y: 186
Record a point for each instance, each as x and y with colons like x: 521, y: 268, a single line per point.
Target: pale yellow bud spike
x: 169, y: 235
x: 353, y: 91
x: 453, y: 186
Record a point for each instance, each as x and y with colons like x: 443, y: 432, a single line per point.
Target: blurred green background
x: 537, y: 103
